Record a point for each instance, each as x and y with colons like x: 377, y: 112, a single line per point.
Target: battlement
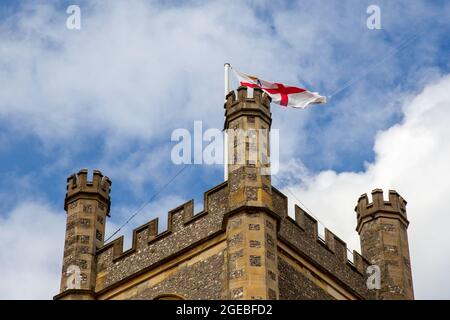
x: 366, y: 211
x: 78, y: 185
x: 148, y: 234
x: 301, y: 234
x: 243, y: 95
x: 184, y: 230
x: 333, y: 243
x: 256, y: 104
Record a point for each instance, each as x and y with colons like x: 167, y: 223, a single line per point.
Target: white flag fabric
x: 284, y: 95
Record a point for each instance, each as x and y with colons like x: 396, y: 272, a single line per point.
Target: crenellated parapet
x: 148, y: 234
x: 243, y: 95
x: 333, y: 243
x: 395, y: 207
x: 336, y: 245
x: 78, y: 186
x: 149, y: 247
x: 246, y: 104
x: 186, y: 230
x: 218, y: 225
x: 301, y: 235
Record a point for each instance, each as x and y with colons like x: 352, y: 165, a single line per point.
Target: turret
x: 382, y: 226
x: 247, y: 122
x: 252, y: 225
x: 87, y: 204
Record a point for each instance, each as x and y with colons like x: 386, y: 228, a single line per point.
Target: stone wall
x: 150, y: 248
x: 301, y: 235
x: 382, y: 226
x: 204, y: 280
x: 209, y: 277
x: 321, y: 255
x: 293, y: 285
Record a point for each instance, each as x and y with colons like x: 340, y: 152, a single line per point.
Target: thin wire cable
x: 403, y: 44
x: 306, y: 209
x: 301, y: 203
x: 145, y: 204
x: 399, y: 47
x: 151, y: 199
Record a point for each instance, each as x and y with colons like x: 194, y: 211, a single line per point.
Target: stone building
x: 243, y: 245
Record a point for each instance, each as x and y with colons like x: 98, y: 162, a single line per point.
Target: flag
x: 281, y: 94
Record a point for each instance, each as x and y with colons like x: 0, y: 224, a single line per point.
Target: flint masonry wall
x: 197, y: 276
x: 151, y: 249
x: 205, y: 279
x: 294, y: 285
x: 329, y: 256
x: 205, y: 274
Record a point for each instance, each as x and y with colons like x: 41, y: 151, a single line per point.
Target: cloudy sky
x: 109, y: 95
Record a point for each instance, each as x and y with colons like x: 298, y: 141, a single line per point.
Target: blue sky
x: 109, y: 95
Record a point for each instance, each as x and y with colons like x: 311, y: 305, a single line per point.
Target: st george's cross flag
x: 281, y: 94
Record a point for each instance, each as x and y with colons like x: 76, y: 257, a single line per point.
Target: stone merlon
x: 394, y: 207
x: 79, y: 186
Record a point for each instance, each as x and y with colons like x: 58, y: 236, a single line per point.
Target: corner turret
x: 252, y: 226
x: 87, y: 204
x: 382, y: 226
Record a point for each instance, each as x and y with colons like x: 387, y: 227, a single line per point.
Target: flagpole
x: 226, y: 67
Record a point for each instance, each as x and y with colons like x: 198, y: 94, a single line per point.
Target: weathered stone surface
x: 295, y: 286
x: 384, y: 242
x: 204, y: 280
x: 180, y: 236
x: 314, y: 250
x: 84, y: 233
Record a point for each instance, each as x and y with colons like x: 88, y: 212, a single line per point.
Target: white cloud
x: 32, y: 242
x: 132, y: 70
x: 146, y: 212
x: 31, y: 247
x: 138, y: 167
x: 141, y: 70
x: 413, y: 158
x: 138, y: 70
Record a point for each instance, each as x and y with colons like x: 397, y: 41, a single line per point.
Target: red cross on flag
x: 281, y: 94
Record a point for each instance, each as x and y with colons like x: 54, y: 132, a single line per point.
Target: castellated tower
x: 384, y: 242
x: 87, y: 204
x: 251, y: 228
x: 242, y: 245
